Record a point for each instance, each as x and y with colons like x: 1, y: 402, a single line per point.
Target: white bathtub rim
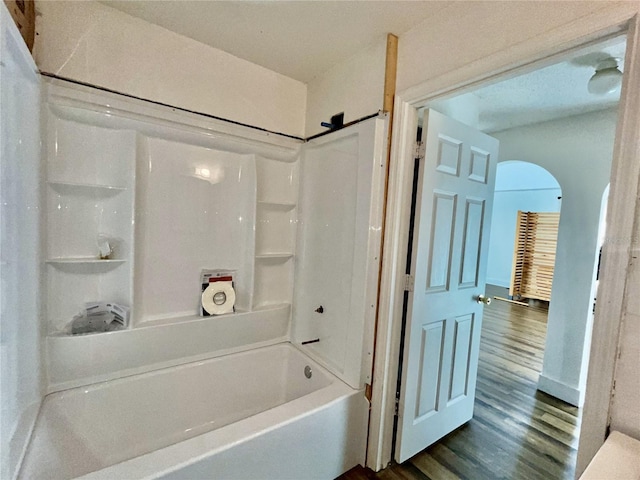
x: 63, y: 373
x: 155, y: 368
x: 187, y: 452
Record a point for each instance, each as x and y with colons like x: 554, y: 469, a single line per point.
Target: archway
x: 521, y: 186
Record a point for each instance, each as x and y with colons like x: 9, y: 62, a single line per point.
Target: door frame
x: 533, y: 54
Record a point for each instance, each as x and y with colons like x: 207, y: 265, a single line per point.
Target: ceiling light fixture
x: 607, y: 78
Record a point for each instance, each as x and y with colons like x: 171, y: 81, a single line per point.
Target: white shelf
x: 275, y: 256
x: 70, y: 187
x: 285, y: 207
x: 83, y: 260
x: 177, y: 319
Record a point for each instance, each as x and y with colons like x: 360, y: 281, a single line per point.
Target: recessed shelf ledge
x: 83, y: 260
x: 283, y: 255
x: 79, y: 359
x: 181, y: 319
x: 71, y: 186
x: 284, y: 206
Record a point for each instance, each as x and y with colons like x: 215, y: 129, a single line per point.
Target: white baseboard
x: 560, y: 390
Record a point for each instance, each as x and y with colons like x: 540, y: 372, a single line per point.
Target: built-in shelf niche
x: 76, y: 219
x: 277, y: 182
x: 196, y: 209
x: 89, y: 193
x: 275, y: 228
x: 81, y: 153
x: 276, y: 215
x: 273, y: 281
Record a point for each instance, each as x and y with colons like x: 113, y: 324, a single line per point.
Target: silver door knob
x: 484, y: 299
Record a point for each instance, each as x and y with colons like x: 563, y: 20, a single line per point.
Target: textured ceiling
x: 556, y: 91
x: 299, y: 39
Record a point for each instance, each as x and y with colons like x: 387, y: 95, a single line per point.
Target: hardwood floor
x: 517, y: 432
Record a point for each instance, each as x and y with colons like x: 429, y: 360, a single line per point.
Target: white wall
x: 519, y: 186
x: 20, y: 345
x: 93, y: 43
x: 577, y: 151
x: 463, y: 108
x: 354, y: 86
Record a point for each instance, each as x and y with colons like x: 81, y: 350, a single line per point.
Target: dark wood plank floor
x: 517, y: 432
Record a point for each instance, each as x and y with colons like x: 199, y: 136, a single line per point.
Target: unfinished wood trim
x: 390, y: 70
x: 396, y: 235
x: 380, y: 385
x: 24, y: 15
x: 616, y: 257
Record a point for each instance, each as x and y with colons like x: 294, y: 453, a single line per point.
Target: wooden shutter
x: 534, y: 255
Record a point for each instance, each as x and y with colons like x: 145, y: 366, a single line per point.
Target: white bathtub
x: 248, y: 415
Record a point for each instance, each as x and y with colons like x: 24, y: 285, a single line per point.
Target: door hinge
x: 408, y: 283
x: 419, y: 150
x: 397, y: 408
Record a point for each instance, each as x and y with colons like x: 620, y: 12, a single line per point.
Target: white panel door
x: 444, y: 317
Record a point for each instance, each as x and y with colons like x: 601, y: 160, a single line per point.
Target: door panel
x: 463, y: 329
x: 471, y: 243
x: 455, y: 196
x: 439, y: 269
x: 433, y: 342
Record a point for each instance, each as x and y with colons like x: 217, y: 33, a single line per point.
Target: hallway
x: 517, y: 432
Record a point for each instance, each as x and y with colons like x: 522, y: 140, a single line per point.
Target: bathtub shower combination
x: 273, y: 390
x: 253, y: 414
